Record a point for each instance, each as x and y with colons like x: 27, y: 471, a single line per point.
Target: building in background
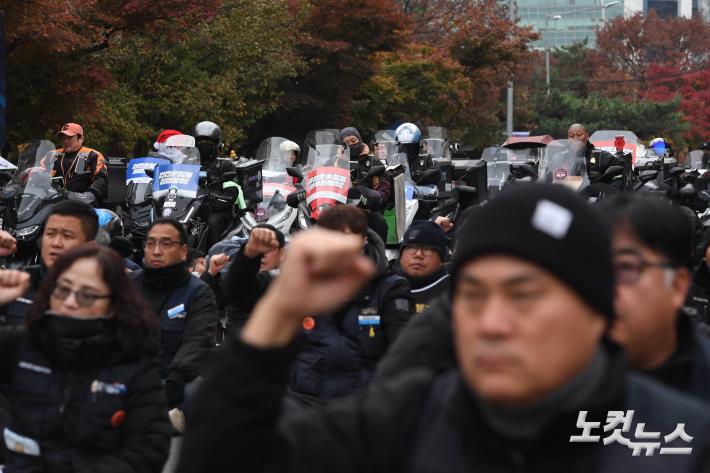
x: 564, y: 22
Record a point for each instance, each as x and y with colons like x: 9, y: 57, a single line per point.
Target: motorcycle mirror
x: 429, y: 177
x: 294, y: 172
x: 676, y: 171
x: 292, y: 199
x: 468, y: 190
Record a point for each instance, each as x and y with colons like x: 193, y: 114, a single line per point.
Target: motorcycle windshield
x: 138, y: 182
x: 180, y: 155
x: 435, y: 142
x: 277, y: 184
x: 564, y: 163
x: 498, y: 161
x: 699, y: 159
x: 384, y: 145
x: 33, y: 179
x: 327, y: 178
x: 180, y: 175
x: 605, y: 140
x: 528, y: 154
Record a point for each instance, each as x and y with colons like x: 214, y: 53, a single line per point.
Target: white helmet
x: 289, y: 146
x: 408, y: 133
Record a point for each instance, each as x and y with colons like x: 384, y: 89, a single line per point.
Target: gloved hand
x: 174, y: 393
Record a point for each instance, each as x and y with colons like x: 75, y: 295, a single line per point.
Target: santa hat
x: 164, y: 135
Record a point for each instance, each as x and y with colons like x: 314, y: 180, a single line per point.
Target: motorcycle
x: 435, y: 143
x: 564, y: 163
x: 324, y: 181
x: 139, y: 200
x: 277, y: 185
x: 176, y: 189
x: 505, y: 167
x: 34, y: 191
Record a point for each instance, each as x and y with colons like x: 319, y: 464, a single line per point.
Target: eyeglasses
x: 426, y: 250
x: 628, y: 269
x: 83, y: 298
x: 163, y: 244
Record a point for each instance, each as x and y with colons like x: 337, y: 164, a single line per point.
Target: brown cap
x: 71, y: 129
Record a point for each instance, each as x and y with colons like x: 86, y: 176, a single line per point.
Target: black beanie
x: 350, y: 131
x: 427, y: 233
x: 551, y: 226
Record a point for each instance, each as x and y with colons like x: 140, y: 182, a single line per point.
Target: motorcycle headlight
x: 27, y: 232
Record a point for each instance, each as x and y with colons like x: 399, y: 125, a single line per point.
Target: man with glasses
x: 421, y: 260
x: 186, y: 306
x: 651, y: 244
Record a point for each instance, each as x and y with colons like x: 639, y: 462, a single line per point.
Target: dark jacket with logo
x: 419, y: 422
x: 188, y: 320
x: 108, y: 415
x: 13, y: 314
x: 340, y: 351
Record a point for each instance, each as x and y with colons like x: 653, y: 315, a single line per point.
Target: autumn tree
x: 54, y: 51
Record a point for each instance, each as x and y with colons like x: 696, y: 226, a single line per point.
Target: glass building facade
x: 563, y: 22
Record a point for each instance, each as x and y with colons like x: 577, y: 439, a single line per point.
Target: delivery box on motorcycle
x: 249, y: 178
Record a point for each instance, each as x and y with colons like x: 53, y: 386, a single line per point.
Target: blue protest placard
x: 135, y: 172
x: 182, y: 177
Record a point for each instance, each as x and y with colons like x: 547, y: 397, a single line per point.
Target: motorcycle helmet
x: 290, y: 152
x: 409, y: 138
x: 209, y: 140
x: 660, y: 146
x: 28, y: 174
x: 408, y: 133
x: 109, y: 222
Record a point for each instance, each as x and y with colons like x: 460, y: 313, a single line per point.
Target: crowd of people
x: 538, y: 332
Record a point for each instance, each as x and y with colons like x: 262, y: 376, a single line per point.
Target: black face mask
x: 77, y: 343
x: 208, y: 152
x: 355, y: 150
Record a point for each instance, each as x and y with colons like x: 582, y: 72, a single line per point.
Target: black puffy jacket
x: 108, y: 415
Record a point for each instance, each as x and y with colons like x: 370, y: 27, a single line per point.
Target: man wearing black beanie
x: 536, y: 386
x: 424, y: 249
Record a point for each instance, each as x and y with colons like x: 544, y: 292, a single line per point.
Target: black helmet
x: 208, y: 130
x: 210, y: 150
x: 706, y: 145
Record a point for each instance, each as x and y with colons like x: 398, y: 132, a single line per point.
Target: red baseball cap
x: 71, y: 129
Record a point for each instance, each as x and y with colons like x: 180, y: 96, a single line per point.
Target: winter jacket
x: 188, y: 316
x: 419, y: 422
x: 109, y: 416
